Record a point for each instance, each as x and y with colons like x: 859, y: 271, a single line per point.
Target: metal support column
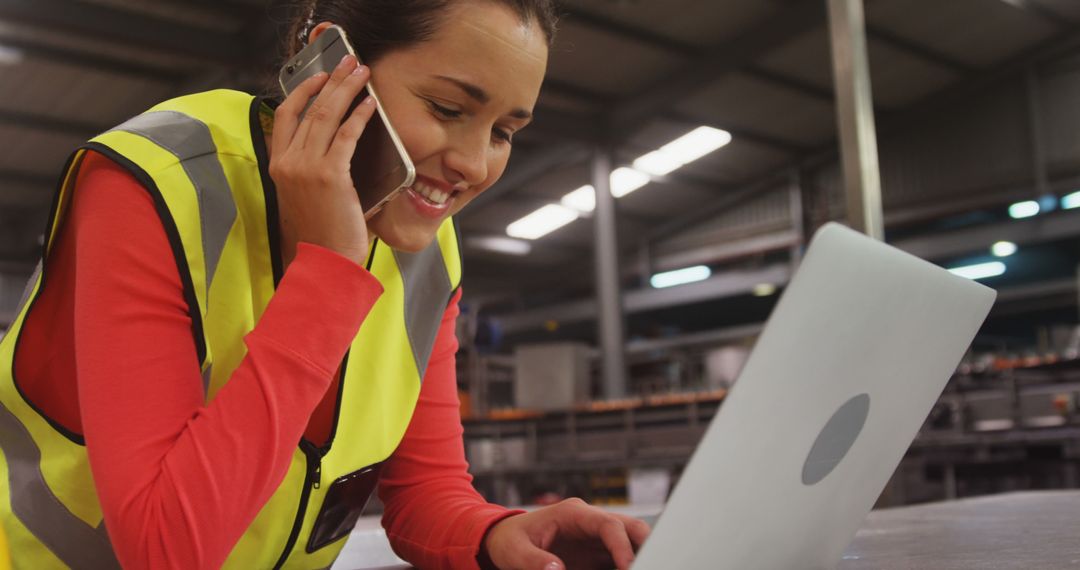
x: 645, y: 265
x: 855, y: 117
x: 795, y: 195
x: 1038, y: 148
x: 608, y: 293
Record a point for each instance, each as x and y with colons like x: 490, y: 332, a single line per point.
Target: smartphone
x: 381, y: 167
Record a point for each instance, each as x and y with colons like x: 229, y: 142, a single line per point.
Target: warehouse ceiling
x: 628, y: 74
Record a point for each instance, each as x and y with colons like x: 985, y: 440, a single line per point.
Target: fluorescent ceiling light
x: 658, y: 163
x: 680, y: 276
x: 764, y: 289
x: 1071, y: 201
x: 542, y: 222
x: 683, y: 150
x: 625, y: 180
x: 583, y: 199
x: 697, y: 143
x: 10, y: 55
x: 980, y: 270
x: 1003, y: 249
x: 1024, y: 209
x: 500, y: 244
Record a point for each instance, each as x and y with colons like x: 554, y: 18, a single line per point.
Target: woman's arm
x: 434, y: 518
x: 180, y: 481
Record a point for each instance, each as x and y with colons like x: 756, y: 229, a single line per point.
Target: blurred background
x: 598, y: 340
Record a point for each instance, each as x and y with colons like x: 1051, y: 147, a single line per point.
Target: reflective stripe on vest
x: 427, y: 281
x: 73, y: 541
x: 189, y: 139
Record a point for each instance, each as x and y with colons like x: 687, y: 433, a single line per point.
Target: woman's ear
x: 318, y: 30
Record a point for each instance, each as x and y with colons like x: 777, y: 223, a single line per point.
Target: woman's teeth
x: 433, y: 195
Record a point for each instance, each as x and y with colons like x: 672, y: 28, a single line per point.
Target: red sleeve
x: 434, y: 517
x: 180, y: 481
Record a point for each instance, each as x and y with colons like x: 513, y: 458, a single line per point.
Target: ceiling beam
x: 634, y: 33
x: 920, y: 50
x: 11, y: 176
x: 631, y: 113
x: 73, y: 127
x: 96, y: 62
x: 117, y: 25
x: 805, y: 88
x: 690, y: 51
x: 1042, y: 11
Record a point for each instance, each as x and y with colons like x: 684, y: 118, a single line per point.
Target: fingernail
x: 360, y: 70
x: 553, y: 566
x: 344, y: 60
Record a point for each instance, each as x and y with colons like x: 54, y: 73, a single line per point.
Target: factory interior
x: 682, y: 155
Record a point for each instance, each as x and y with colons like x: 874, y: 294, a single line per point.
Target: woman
x: 211, y: 295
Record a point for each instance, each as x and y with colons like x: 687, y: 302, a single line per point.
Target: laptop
x: 856, y: 352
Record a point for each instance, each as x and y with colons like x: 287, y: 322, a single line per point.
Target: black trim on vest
x: 75, y: 438
x: 174, y: 240
x: 273, y: 228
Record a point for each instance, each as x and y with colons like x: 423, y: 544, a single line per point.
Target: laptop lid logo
x: 836, y: 439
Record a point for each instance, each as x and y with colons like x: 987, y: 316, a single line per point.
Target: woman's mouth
x: 431, y: 193
x: 430, y: 199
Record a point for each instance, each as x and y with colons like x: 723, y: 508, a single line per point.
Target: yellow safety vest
x: 203, y: 159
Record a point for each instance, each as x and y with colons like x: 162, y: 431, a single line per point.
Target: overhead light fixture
x: 1024, y: 209
x: 542, y: 222
x: 764, y: 289
x: 683, y: 150
x: 625, y: 180
x: 980, y: 270
x: 10, y: 55
x: 680, y: 276
x: 1070, y: 201
x: 583, y: 199
x: 499, y: 244
x: 1003, y: 249
x: 657, y: 163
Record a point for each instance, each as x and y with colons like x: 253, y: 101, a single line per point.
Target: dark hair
x: 376, y: 27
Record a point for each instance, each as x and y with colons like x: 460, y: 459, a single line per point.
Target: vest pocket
x: 345, y: 501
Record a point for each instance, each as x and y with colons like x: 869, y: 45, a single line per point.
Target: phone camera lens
x: 289, y: 69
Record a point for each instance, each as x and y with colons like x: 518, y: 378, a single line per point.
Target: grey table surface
x: 1030, y: 530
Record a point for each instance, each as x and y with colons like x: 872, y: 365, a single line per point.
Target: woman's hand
x: 570, y: 534
x: 310, y: 162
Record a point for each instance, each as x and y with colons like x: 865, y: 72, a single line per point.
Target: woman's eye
x: 501, y: 134
x: 444, y: 111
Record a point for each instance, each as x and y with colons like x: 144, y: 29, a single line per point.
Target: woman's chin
x: 408, y: 240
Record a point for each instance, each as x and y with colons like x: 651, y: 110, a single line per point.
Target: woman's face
x: 456, y: 100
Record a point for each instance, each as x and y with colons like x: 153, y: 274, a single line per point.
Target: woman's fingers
x: 613, y: 533
x: 611, y: 530
x: 287, y: 115
x: 532, y: 557
x: 344, y: 144
x: 323, y: 119
x: 637, y: 529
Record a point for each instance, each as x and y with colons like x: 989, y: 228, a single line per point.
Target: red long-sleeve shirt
x: 108, y: 353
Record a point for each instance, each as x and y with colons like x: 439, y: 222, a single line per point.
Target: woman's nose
x: 468, y: 161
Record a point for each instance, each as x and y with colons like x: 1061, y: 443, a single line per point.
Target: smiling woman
x: 211, y: 295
